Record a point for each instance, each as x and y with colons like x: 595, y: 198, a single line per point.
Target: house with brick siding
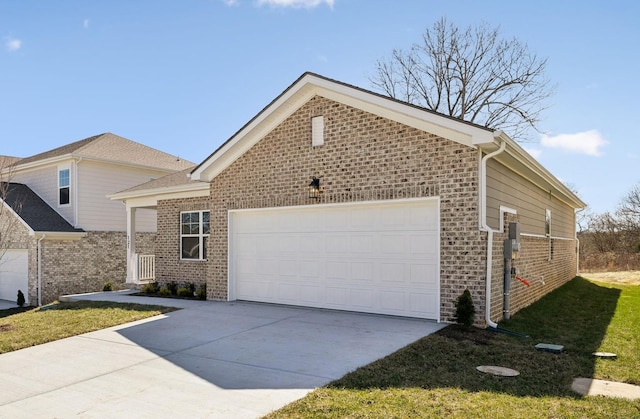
x: 62, y: 234
x: 341, y: 198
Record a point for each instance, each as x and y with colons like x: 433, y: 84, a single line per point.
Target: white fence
x: 146, y: 268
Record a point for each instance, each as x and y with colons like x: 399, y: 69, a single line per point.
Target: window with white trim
x: 64, y: 186
x: 194, y: 234
x: 547, y: 222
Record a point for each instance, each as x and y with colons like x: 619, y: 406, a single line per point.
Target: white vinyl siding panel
x: 44, y: 182
x: 374, y: 257
x: 96, y: 212
x: 506, y: 188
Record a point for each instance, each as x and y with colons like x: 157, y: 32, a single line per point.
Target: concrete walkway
x: 210, y: 359
x: 6, y: 304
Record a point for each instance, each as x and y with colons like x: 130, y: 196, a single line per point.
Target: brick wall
x: 365, y: 157
x: 546, y: 263
x: 169, y: 267
x: 85, y: 265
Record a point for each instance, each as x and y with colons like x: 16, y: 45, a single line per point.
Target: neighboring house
x: 62, y: 234
x: 338, y: 197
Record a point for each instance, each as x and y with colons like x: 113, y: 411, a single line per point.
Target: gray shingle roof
x: 112, y: 147
x: 173, y: 179
x: 33, y: 210
x: 6, y: 161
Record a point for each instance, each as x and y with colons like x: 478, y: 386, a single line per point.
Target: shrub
x: 192, y: 288
x: 184, y: 292
x: 164, y: 290
x: 173, y: 287
x: 201, y: 294
x: 21, y: 299
x: 151, y: 288
x: 108, y: 287
x: 465, y: 311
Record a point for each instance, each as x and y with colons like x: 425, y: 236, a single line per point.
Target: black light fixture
x: 314, y: 188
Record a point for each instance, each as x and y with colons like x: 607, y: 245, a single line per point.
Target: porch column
x: 132, y: 263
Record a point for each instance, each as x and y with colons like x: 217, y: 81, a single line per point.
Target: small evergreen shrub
x: 192, y: 288
x: 173, y: 287
x: 201, y: 293
x: 184, y: 292
x: 164, y: 290
x: 151, y: 288
x: 108, y: 287
x: 465, y: 311
x: 21, y: 299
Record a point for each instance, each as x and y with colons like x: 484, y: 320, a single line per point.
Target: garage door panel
x: 373, y: 257
x: 362, y: 271
x: 423, y: 274
x: 295, y: 293
x: 14, y: 274
x: 337, y: 269
x: 393, y: 273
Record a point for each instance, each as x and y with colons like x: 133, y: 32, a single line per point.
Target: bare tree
x: 628, y: 213
x: 7, y: 221
x: 604, y: 232
x: 471, y: 74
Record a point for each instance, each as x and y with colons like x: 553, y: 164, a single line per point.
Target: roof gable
x: 35, y: 213
x: 310, y: 85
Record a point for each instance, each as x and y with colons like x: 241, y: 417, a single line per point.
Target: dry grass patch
x: 624, y: 277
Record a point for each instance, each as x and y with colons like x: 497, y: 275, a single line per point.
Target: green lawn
x: 437, y: 377
x: 21, y: 328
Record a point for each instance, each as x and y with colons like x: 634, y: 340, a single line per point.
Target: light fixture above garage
x: 314, y: 188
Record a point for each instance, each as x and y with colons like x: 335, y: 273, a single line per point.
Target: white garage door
x: 374, y: 257
x: 14, y: 274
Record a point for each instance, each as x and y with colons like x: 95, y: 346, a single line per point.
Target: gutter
x: 489, y: 230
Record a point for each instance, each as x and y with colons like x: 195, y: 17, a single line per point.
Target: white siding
x: 44, y: 182
x: 96, y: 212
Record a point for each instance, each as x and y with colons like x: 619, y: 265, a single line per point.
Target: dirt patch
x: 7, y: 327
x: 623, y: 278
x: 473, y: 334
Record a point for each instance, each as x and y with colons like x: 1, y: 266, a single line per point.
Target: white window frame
x: 68, y: 186
x: 547, y: 222
x: 200, y: 234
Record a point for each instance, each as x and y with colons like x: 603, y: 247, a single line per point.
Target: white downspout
x: 577, y: 241
x: 76, y: 201
x: 40, y: 269
x: 489, y: 230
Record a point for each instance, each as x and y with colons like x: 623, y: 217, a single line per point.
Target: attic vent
x: 317, y: 131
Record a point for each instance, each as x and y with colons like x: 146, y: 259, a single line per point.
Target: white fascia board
x: 39, y: 164
x: 54, y: 161
x: 531, y: 164
x: 440, y: 125
x: 253, y: 132
x: 59, y: 235
x: 310, y: 86
x: 149, y: 198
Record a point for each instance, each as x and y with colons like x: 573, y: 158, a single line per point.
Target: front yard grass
x: 21, y: 328
x: 437, y: 377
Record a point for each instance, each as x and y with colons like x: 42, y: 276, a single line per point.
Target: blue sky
x: 185, y: 76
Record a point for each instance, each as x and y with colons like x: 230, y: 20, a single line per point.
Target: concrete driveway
x: 210, y: 359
